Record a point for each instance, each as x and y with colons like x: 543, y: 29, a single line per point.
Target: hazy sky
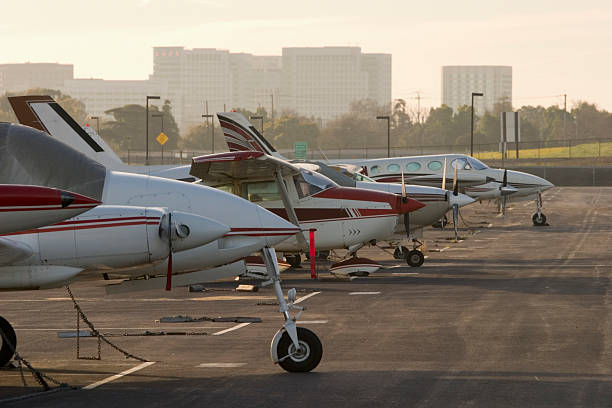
x: 554, y: 46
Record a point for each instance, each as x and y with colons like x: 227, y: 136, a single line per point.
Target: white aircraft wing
x: 464, y: 179
x: 224, y: 168
x: 13, y: 251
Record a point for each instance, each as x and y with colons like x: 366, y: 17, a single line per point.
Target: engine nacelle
x: 36, y: 277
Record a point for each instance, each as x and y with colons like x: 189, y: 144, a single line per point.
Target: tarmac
x: 512, y: 315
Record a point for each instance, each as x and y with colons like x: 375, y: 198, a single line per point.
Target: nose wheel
x: 8, y: 334
x: 539, y: 219
x: 302, y: 359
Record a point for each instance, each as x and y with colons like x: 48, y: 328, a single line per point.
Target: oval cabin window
x: 413, y: 166
x: 374, y: 169
x: 393, y: 168
x: 434, y: 165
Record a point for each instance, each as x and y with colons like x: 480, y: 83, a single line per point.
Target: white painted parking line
x: 404, y: 273
x: 220, y: 365
x: 312, y: 321
x: 117, y: 376
x: 236, y: 327
x: 364, y: 293
x: 303, y: 298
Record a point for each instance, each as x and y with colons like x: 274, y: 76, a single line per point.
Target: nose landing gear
x: 538, y: 218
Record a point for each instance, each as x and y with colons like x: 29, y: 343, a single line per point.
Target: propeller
x: 407, y: 215
x: 169, y: 272
x: 503, y: 192
x: 455, y: 205
x: 443, y: 188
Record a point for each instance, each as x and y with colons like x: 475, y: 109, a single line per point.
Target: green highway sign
x: 299, y: 150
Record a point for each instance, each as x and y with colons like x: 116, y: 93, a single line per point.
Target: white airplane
x: 241, y: 135
x: 474, y: 177
x: 28, y: 156
x: 343, y: 217
x: 23, y: 207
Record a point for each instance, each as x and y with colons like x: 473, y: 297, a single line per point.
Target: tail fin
x: 43, y: 113
x: 240, y: 134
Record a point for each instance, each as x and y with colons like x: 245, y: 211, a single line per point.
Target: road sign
x: 162, y: 138
x: 299, y: 150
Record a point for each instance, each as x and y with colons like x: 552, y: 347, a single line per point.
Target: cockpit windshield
x: 308, y: 183
x: 476, y: 164
x: 363, y: 177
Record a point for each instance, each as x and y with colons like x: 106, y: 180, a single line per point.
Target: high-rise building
x: 194, y: 77
x: 255, y: 81
x: 458, y: 83
x: 21, y: 77
x: 322, y: 82
x: 100, y: 95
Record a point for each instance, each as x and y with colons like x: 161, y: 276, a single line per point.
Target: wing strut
x: 289, y: 209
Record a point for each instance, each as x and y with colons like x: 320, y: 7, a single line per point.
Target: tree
x: 73, y: 107
x: 127, y: 129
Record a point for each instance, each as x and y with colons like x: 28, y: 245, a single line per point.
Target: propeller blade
x: 505, y: 181
x: 169, y: 273
x: 403, y: 187
x: 455, y: 184
x: 455, y: 220
x: 444, y: 176
x: 504, y: 205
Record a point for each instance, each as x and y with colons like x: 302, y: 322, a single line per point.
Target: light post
x: 388, y: 133
x: 213, y: 129
x: 97, y: 119
x: 260, y: 118
x: 147, y: 129
x: 161, y: 116
x: 472, y: 128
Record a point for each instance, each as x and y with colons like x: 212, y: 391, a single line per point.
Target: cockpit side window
x: 460, y: 164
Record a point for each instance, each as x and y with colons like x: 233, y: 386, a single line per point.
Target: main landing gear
x: 539, y: 219
x: 414, y: 257
x: 8, y: 342
x: 294, y: 260
x: 295, y: 349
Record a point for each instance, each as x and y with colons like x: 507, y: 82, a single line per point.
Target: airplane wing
x: 224, y: 168
x: 12, y: 251
x: 464, y: 179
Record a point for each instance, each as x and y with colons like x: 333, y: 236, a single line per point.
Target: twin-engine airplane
x: 30, y: 157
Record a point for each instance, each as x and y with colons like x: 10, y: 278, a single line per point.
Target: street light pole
x: 472, y: 122
x: 260, y: 118
x: 97, y: 118
x: 147, y: 129
x: 388, y: 133
x: 213, y: 128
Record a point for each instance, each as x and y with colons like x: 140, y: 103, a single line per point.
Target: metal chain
x: 96, y: 333
x: 39, y: 376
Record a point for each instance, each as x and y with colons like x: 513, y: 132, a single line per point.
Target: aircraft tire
x: 7, y: 351
x: 300, y: 362
x: 400, y: 252
x: 415, y: 258
x: 539, y: 221
x: 294, y: 260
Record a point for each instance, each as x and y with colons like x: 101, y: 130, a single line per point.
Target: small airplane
x: 343, y: 217
x: 474, y: 178
x: 30, y: 157
x: 241, y: 135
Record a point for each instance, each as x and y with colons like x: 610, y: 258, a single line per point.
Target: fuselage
x: 390, y: 169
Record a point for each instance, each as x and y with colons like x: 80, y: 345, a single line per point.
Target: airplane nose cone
x: 407, y: 205
x: 274, y: 228
x: 77, y: 200
x: 460, y: 199
x: 191, y: 230
x: 545, y: 184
